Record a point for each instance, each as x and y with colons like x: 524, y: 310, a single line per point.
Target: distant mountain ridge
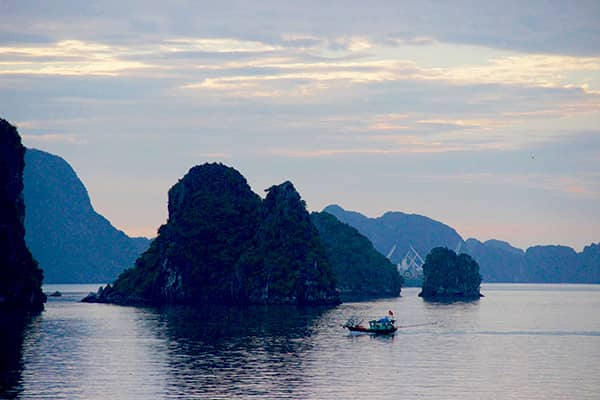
x: 498, y: 260
x: 394, y: 232
x: 71, y: 241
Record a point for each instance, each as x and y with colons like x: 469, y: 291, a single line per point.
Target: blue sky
x: 485, y: 116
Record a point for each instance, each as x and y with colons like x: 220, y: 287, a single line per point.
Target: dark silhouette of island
x: 222, y: 244
x: 501, y: 262
x: 71, y: 241
x: 20, y: 276
x: 450, y: 277
x: 395, y: 232
x: 359, y: 269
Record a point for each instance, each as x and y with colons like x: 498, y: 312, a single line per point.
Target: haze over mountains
x: 394, y: 232
x: 71, y: 241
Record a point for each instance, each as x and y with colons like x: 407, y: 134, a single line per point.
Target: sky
x: 482, y: 115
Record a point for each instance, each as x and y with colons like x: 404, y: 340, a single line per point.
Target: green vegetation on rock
x: 287, y: 260
x: 222, y: 244
x: 447, y: 276
x: 359, y: 269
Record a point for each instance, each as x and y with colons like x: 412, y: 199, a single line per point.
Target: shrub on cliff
x: 359, y: 269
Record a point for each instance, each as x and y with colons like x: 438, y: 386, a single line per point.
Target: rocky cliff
x: 359, y: 269
x: 70, y: 240
x: 223, y: 244
x: 20, y: 277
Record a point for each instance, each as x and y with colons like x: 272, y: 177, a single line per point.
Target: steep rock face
x: 222, y: 244
x: 20, y: 277
x: 448, y: 276
x: 287, y: 263
x: 72, y: 242
x: 395, y: 231
x: 359, y: 269
x: 213, y: 214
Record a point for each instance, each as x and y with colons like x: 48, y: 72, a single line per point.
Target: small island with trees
x: 450, y: 277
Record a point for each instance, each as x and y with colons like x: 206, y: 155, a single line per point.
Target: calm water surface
x: 519, y: 342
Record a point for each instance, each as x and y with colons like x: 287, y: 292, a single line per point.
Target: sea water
x: 518, y: 342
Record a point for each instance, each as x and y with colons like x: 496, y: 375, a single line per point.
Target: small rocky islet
x: 448, y: 276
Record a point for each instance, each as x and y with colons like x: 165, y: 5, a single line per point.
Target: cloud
x: 216, y: 45
x: 533, y: 26
x: 484, y: 124
x: 389, y: 145
x: 379, y: 65
x: 266, y: 69
x: 285, y: 88
x: 581, y: 185
x: 69, y: 57
x: 47, y: 138
x: 537, y: 70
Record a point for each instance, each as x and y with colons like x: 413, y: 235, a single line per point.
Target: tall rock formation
x: 359, y: 269
x: 222, y: 244
x: 20, y: 277
x: 71, y: 241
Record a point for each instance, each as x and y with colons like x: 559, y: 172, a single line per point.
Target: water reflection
x: 12, y: 331
x: 228, y: 352
x: 513, y: 344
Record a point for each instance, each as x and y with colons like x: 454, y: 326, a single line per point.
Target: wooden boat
x: 382, y: 326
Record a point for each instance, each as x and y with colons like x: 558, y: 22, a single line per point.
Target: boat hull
x: 362, y: 329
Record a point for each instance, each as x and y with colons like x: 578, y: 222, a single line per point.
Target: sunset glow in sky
x: 485, y: 116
